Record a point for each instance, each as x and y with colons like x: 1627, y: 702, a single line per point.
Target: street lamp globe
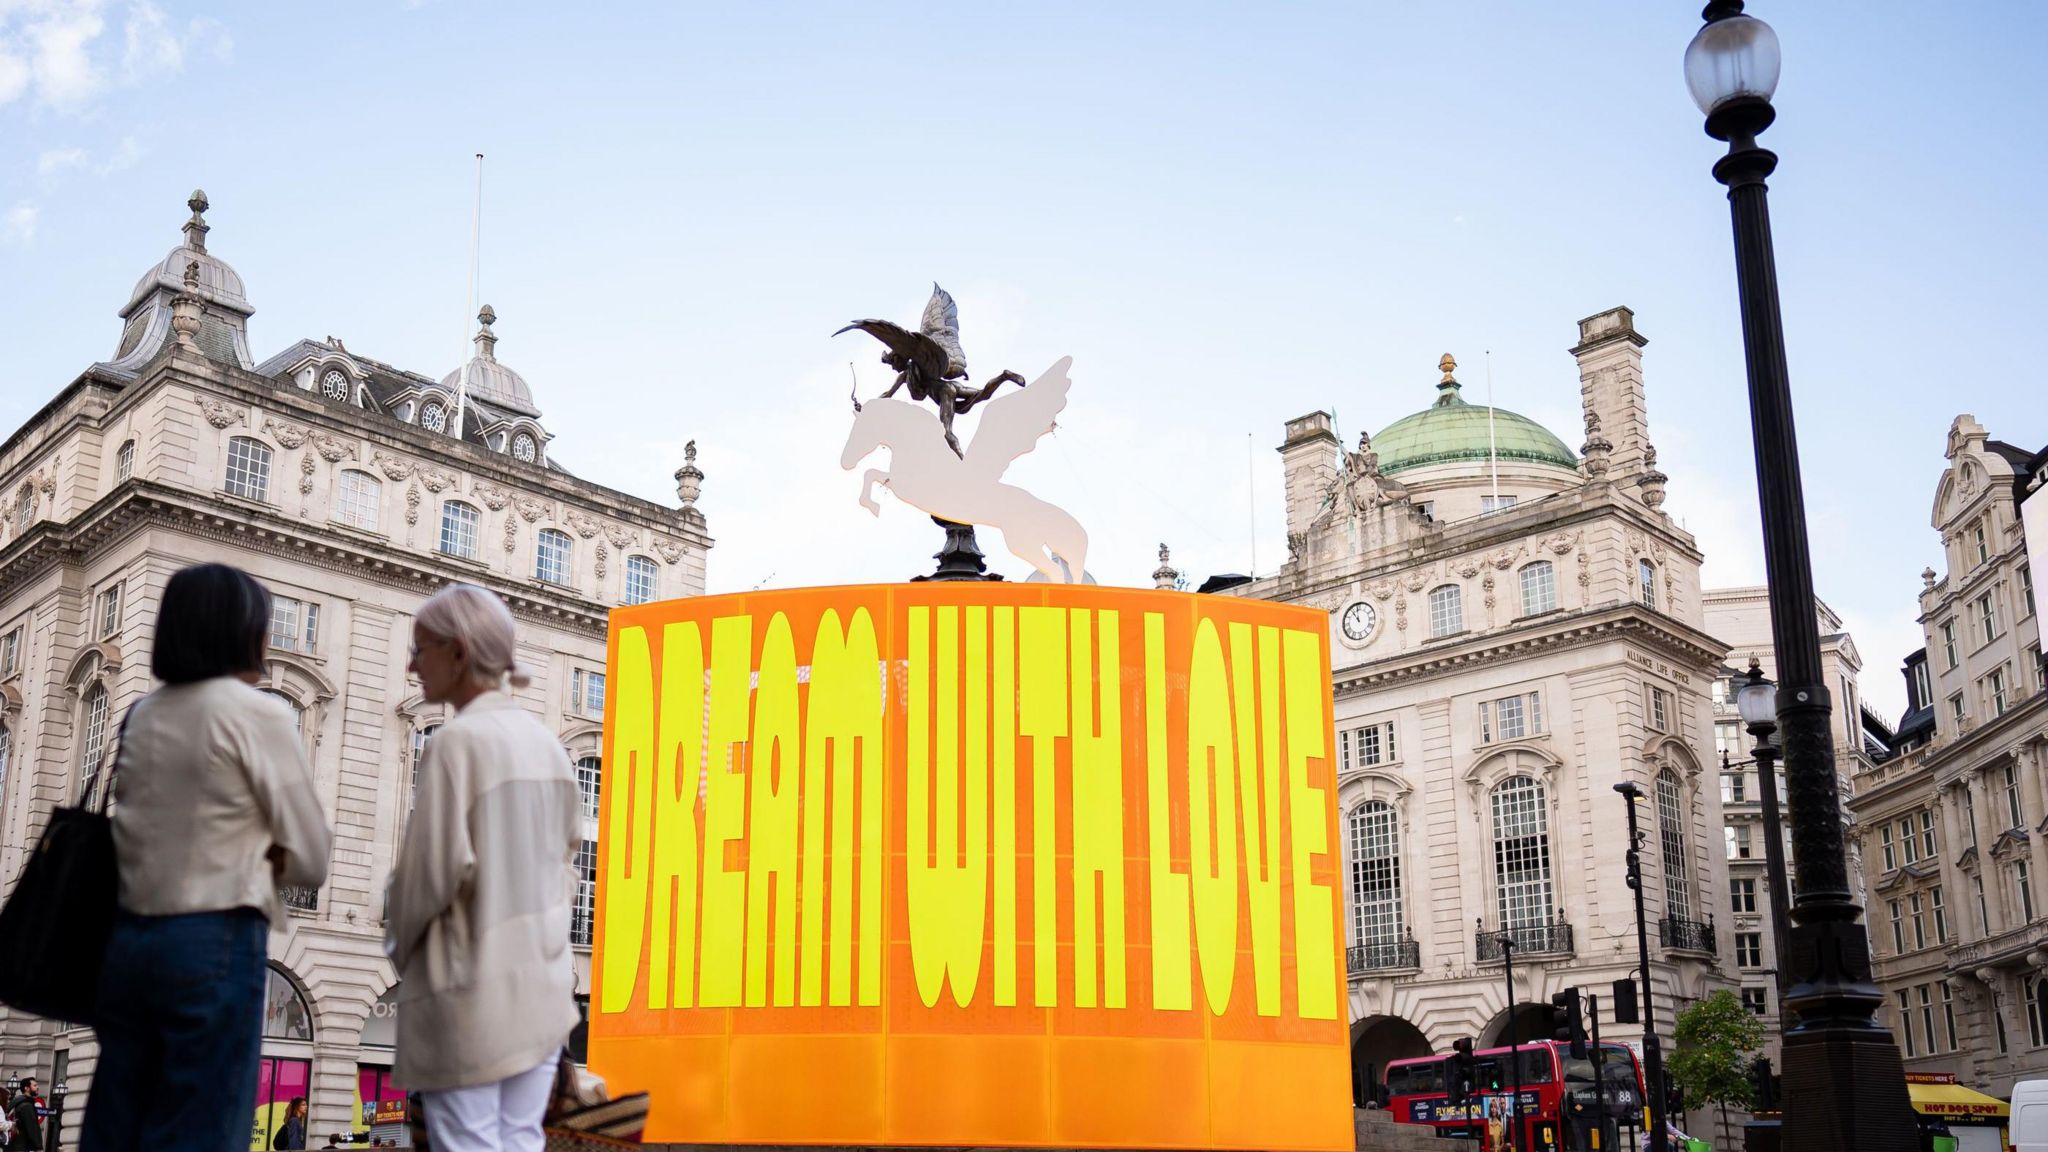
x: 1757, y: 699
x: 1729, y: 59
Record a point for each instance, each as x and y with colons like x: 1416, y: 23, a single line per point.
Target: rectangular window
x: 1511, y: 717
x: 551, y: 556
x: 1922, y: 687
x: 584, y: 913
x: 294, y: 625
x: 1890, y: 850
x: 1742, y: 894
x: 1720, y: 690
x: 1909, y: 844
x: 639, y: 580
x: 1446, y: 610
x: 1728, y: 738
x: 1913, y: 905
x: 1983, y: 908
x: 124, y: 460
x: 1940, y: 915
x: 356, y: 496
x: 1987, y: 619
x: 586, y: 693
x: 1734, y: 787
x: 1905, y: 1014
x: 2026, y: 590
x: 1948, y: 1014
x: 1749, y: 949
x: 248, y: 474
x: 1646, y: 583
x: 1660, y: 709
x: 1898, y: 928
x: 458, y: 530
x: 1495, y: 504
x: 1956, y: 710
x: 1539, y: 588
x: 1998, y: 691
x: 2015, y: 818
x: 1508, y: 715
x: 2024, y: 880
x: 109, y: 611
x: 1948, y: 644
x: 1980, y: 540
x: 1367, y: 746
x: 1738, y: 841
x: 1927, y: 1032
x: 1927, y: 833
x: 1756, y: 1000
x: 10, y: 653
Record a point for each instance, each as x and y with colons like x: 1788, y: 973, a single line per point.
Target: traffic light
x: 1625, y: 1001
x: 1568, y: 1021
x: 1458, y: 1071
x: 1764, y: 1086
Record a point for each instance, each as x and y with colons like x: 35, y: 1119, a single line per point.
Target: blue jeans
x: 180, y: 1029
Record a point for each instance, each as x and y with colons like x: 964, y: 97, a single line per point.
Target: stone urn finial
x: 1593, y: 453
x: 185, y: 307
x: 1165, y: 576
x: 689, y: 478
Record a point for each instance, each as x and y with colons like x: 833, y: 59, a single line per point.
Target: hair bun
x: 517, y: 676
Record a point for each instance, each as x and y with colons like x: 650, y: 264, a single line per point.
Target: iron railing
x: 1686, y: 935
x: 1384, y: 955
x: 299, y: 899
x: 1551, y: 937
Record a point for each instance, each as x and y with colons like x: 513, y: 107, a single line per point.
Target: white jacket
x: 477, y: 919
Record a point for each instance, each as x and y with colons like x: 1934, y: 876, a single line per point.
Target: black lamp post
x: 1757, y: 700
x: 56, y: 1134
x: 1653, y: 1048
x: 1844, y: 1084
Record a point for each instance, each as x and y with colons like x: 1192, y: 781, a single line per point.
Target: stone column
x: 1610, y: 359
x: 1311, y: 458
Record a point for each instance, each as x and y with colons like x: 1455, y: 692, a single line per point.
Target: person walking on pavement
x: 26, y: 1112
x: 213, y: 809
x: 477, y: 918
x: 292, y: 1133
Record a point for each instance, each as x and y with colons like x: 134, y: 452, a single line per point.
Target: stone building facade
x: 1961, y: 926
x: 340, y: 482
x: 1516, y: 628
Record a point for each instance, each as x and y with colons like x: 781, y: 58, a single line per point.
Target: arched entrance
x: 1532, y: 1022
x: 1374, y: 1041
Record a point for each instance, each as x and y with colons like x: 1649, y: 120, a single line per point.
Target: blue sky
x: 1227, y: 214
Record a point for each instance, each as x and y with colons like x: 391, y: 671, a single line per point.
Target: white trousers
x: 500, y: 1117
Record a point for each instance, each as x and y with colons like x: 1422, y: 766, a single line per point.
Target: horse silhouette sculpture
x: 925, y: 473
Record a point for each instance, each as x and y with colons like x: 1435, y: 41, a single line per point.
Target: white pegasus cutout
x: 966, y: 489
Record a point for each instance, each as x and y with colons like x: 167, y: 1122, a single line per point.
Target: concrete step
x: 1378, y: 1131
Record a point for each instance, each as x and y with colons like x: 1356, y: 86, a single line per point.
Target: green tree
x: 1718, y: 1039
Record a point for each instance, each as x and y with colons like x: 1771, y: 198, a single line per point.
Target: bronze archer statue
x: 929, y: 361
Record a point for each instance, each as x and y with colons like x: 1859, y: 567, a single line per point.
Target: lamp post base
x: 1846, y: 1091
x: 961, y: 558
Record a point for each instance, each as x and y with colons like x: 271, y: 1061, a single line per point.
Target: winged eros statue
x: 930, y: 363
x: 957, y: 488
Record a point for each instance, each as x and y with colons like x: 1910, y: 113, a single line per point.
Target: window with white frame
x: 1998, y: 691
x: 1446, y: 610
x: 1660, y: 709
x: 1511, y: 717
x: 1898, y: 927
x: 1738, y: 838
x: 1922, y: 686
x: 1735, y: 787
x: 1987, y: 619
x: 2023, y: 881
x: 583, y: 915
x: 248, y: 474
x: 1957, y: 713
x: 1521, y: 853
x: 1728, y: 738
x: 1948, y: 1012
x: 334, y: 385
x: 1756, y: 1001
x: 124, y: 460
x: 2026, y: 590
x: 1948, y: 644
x: 1749, y: 949
x: 1742, y: 894
x: 420, y: 736
x: 298, y: 713
x: 358, y: 497
x: 1646, y: 583
x: 590, y: 784
x: 1539, y: 588
x: 1980, y: 542
x: 1905, y: 1016
x: 1671, y: 838
x: 108, y: 615
x: 1916, y: 913
x: 459, y: 529
x: 6, y: 749
x: 639, y: 580
x: 586, y: 693
x: 294, y: 625
x: 94, y: 745
x: 1927, y: 833
x: 10, y: 652
x: 1490, y: 504
x: 1983, y: 908
x: 1909, y: 844
x: 525, y: 448
x: 1940, y: 911
x: 551, y: 556
x: 2013, y: 814
x: 1888, y: 847
x: 1366, y: 746
x: 1375, y: 874
x: 2037, y: 1012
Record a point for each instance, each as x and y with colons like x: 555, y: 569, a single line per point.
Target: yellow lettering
x: 1004, y: 688
x: 1307, y: 684
x: 1260, y: 790
x: 1212, y: 810
x: 1042, y: 704
x: 681, y: 767
x: 844, y: 715
x: 722, y: 935
x: 772, y: 821
x: 1098, y: 793
x: 1171, y: 980
x: 625, y: 862
x: 948, y: 874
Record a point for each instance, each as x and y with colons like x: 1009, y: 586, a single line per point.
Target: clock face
x: 1359, y: 621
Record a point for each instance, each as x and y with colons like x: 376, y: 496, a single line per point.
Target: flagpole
x: 476, y: 213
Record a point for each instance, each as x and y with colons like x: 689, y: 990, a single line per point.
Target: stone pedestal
x: 961, y: 558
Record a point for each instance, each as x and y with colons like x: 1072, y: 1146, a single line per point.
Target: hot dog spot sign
x: 972, y: 864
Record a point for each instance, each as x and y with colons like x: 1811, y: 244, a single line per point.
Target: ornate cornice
x: 1629, y: 622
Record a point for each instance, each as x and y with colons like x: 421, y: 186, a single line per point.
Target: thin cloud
x: 18, y: 226
x: 55, y: 39
x: 126, y: 155
x: 152, y: 47
x: 58, y: 159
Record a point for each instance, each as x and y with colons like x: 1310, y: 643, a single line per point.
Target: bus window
x: 1619, y: 1070
x: 1418, y: 1079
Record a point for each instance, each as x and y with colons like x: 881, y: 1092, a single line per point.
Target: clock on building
x: 1359, y: 621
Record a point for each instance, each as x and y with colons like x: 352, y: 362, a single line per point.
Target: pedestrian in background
x: 477, y: 918
x: 213, y: 809
x: 26, y: 1112
x: 292, y: 1133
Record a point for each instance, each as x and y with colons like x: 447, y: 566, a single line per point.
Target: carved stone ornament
x: 529, y: 510
x: 1561, y: 542
x: 602, y: 554
x: 1585, y: 570
x: 1401, y: 613
x: 672, y: 553
x: 1636, y: 542
x: 584, y: 525
x: 332, y: 449
x: 494, y: 497
x: 221, y: 415
x: 1468, y: 567
x: 306, y: 470
x: 1415, y: 582
x: 1382, y: 590
x: 46, y: 482
x: 1652, y: 484
x: 392, y: 467
x: 1927, y: 578
x: 287, y: 434
x: 434, y: 478
x: 511, y: 534
x: 1503, y: 558
x: 621, y: 538
x: 1297, y: 544
x: 412, y: 504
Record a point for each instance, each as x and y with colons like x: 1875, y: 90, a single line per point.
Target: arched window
x: 25, y: 506
x: 94, y: 745
x: 2037, y: 1012
x: 551, y: 557
x: 1521, y: 853
x: 1539, y: 588
x: 285, y: 1014
x: 6, y: 747
x: 434, y: 416
x: 1446, y: 610
x: 639, y: 579
x: 248, y: 473
x: 459, y: 529
x: 124, y: 460
x: 334, y: 385
x: 298, y: 713
x: 357, y: 498
x: 525, y: 448
x: 1646, y: 583
x: 589, y: 784
x: 1671, y: 835
x: 1375, y: 874
x: 420, y: 736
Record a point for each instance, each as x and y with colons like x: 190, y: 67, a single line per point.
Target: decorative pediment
x: 1530, y: 757
x: 1968, y: 860
x: 2009, y: 841
x: 1890, y: 881
x: 1663, y: 750
x: 97, y: 661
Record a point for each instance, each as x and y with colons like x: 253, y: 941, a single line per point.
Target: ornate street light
x: 1757, y: 700
x: 1844, y: 1084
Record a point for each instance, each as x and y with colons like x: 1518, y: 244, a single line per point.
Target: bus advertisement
x: 1563, y: 1107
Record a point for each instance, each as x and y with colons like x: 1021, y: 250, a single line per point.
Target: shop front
x: 1976, y: 1121
x: 285, y: 1072
x: 380, y: 1103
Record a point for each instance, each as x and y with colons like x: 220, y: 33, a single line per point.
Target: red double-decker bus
x: 1561, y: 1110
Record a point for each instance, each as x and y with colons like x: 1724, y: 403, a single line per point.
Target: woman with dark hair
x: 213, y: 809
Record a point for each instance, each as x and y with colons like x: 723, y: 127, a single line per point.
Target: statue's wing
x: 912, y: 347
x: 1012, y: 425
x: 942, y: 325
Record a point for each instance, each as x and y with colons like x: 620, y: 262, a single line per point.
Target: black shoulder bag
x: 54, y: 928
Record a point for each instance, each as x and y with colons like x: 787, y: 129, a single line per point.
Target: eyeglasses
x: 415, y: 648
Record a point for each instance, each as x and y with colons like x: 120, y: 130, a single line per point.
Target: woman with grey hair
x: 478, y: 913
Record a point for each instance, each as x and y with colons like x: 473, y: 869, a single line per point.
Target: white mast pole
x: 476, y: 213
x: 1492, y: 460
x: 1251, y: 476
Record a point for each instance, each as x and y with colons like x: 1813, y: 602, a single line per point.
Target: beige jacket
x: 477, y: 920
x: 209, y: 777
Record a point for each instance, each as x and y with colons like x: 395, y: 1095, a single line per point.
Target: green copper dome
x: 1452, y: 430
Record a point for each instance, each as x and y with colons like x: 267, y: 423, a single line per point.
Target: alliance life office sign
x: 972, y: 864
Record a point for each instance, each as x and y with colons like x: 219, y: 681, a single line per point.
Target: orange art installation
x: 972, y: 864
